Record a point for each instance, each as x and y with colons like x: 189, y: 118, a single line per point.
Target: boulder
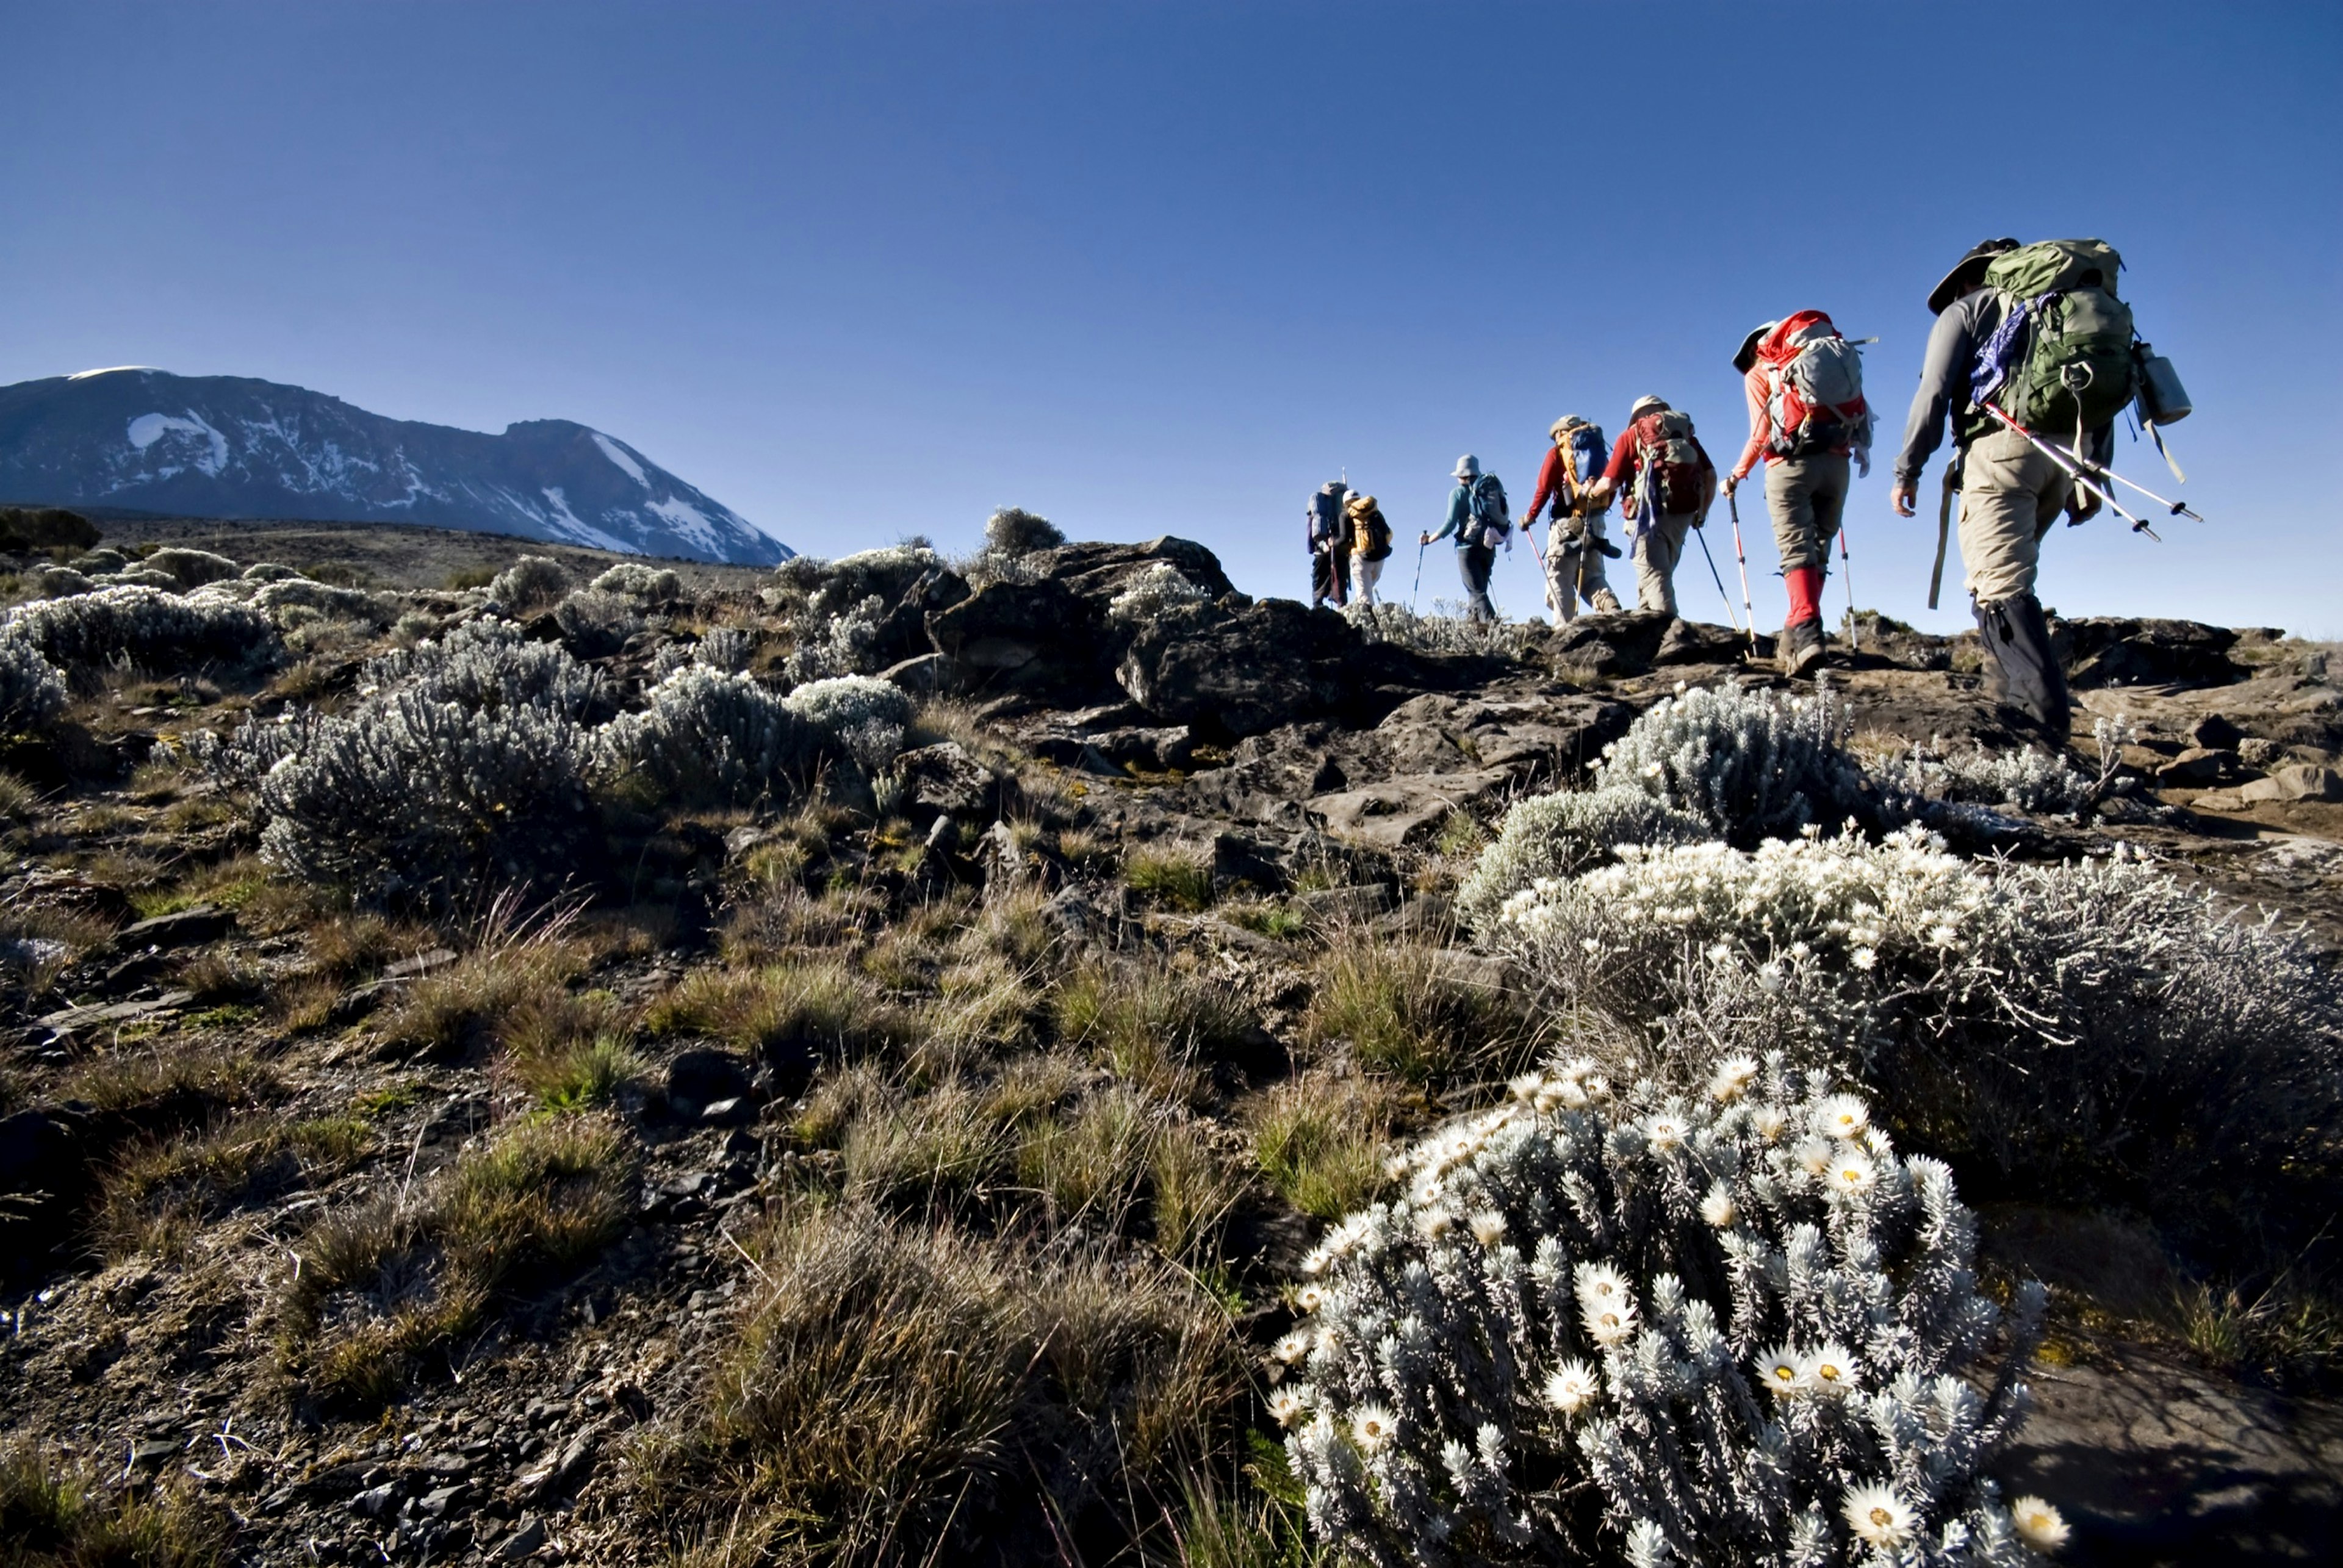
x: 1227, y: 676
x: 697, y: 1080
x: 1040, y: 638
x: 2111, y: 650
x: 182, y: 928
x: 2197, y: 767
x: 1098, y: 571
x: 944, y: 780
x: 1610, y: 644
x: 2295, y: 782
x: 1406, y: 809
x: 1699, y: 642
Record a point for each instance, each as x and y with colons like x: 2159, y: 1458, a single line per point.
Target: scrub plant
x: 1726, y: 1327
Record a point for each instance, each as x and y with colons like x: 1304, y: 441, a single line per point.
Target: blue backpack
x: 1486, y: 499
x: 1586, y: 454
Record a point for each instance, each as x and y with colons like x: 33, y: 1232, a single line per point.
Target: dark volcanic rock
x: 1040, y: 639
x: 1610, y: 644
x: 1098, y: 571
x: 2105, y: 650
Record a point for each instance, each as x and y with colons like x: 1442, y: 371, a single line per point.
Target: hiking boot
x: 1607, y: 603
x: 2022, y: 673
x: 1802, y: 648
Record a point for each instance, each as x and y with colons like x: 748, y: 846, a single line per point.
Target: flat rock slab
x: 182, y: 928
x: 2160, y: 1463
x: 1399, y: 811
x: 75, y: 1020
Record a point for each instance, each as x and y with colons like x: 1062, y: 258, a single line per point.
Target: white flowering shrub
x: 192, y: 568
x: 866, y: 717
x: 56, y: 582
x: 887, y: 573
x: 598, y: 624
x: 530, y: 583
x: 2100, y: 1029
x: 726, y: 648
x: 488, y: 665
x: 413, y: 801
x: 1562, y: 833
x: 711, y: 734
x: 1754, y: 763
x: 280, y: 597
x: 145, y: 627
x: 32, y: 692
x: 1446, y: 631
x: 268, y: 572
x: 138, y: 575
x: 1014, y: 531
x: 838, y: 645
x: 1730, y: 1326
x: 1152, y: 590
x: 658, y: 584
x: 2031, y: 779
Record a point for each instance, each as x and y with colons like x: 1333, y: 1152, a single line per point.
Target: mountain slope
x: 231, y: 446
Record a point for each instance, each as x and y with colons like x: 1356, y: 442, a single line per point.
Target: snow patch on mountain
x: 109, y: 370
x: 621, y: 457
x: 148, y: 429
x: 576, y: 529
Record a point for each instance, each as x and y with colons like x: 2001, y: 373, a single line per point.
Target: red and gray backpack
x: 1667, y: 460
x: 1814, y: 390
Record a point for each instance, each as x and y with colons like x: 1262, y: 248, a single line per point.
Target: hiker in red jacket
x: 1669, y: 484
x: 1575, y: 546
x: 1807, y: 420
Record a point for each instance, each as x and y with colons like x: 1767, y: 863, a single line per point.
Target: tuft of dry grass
x: 1412, y: 1009
x: 470, y: 1002
x: 860, y: 1416
x: 382, y: 1286
x: 1320, y: 1138
x: 821, y: 1004
x: 1175, y: 875
x: 160, y: 1194
x: 1153, y: 1022
x: 176, y: 1086
x: 58, y: 1513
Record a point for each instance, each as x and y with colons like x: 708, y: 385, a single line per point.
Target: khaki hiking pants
x: 1657, y: 554
x: 1364, y: 575
x: 1804, y: 498
x: 2011, y: 495
x: 1573, y: 572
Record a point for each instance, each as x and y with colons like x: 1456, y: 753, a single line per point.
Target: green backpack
x: 2063, y: 361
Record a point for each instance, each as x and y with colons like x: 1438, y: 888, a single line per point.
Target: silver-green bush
x: 1730, y: 1327
x: 192, y: 568
x: 865, y: 716
x: 145, y: 627
x: 708, y: 735
x: 1561, y: 834
x: 488, y: 665
x: 32, y: 692
x: 633, y: 578
x: 598, y: 624
x: 1752, y: 763
x: 1014, y: 531
x: 530, y: 583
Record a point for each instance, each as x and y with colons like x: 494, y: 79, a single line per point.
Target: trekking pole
x: 1719, y: 576
x: 2101, y: 471
x: 1847, y: 570
x: 2076, y: 471
x: 1733, y: 505
x: 1420, y: 548
x: 1944, y: 528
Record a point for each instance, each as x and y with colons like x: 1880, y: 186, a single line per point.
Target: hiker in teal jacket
x: 1476, y: 540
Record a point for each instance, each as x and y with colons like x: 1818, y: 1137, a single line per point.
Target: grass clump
x: 1153, y: 1023
x: 864, y: 1411
x: 1173, y: 875
x: 160, y: 1194
x: 382, y: 1287
x: 1320, y: 1140
x: 1413, y: 1010
x: 818, y: 1004
x: 56, y: 1513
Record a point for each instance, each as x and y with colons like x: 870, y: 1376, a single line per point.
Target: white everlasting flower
x: 1571, y: 1093
x: 1879, y: 1518
x: 1732, y: 1079
x: 1395, y: 1166
x: 1843, y: 1116
x: 1865, y: 958
x: 1309, y: 1298
x: 1665, y: 1132
x: 1601, y: 1285
x: 1828, y: 1370
x: 1573, y: 1387
x: 1718, y: 1208
x: 1814, y: 1154
x: 1784, y: 1370
x: 1769, y: 1123
x: 1852, y: 1174
x: 1287, y: 1406
x: 1434, y: 1224
x: 1372, y: 1427
x: 2038, y: 1525
x: 1527, y: 1085
x: 1488, y: 1227
x: 1611, y: 1327
x: 1293, y: 1346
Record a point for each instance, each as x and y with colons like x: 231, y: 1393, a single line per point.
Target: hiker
x: 1371, y: 546
x: 1807, y: 420
x: 1329, y: 539
x: 1575, y: 545
x: 1476, y: 517
x: 1670, y: 485
x: 1991, y: 324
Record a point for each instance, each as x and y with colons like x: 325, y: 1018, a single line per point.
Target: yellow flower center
x: 1881, y: 1518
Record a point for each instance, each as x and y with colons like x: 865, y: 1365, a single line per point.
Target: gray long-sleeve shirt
x: 1960, y: 331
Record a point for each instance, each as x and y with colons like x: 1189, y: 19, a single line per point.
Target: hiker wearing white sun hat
x: 1477, y: 520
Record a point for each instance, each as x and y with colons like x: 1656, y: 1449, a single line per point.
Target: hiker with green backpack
x: 2032, y: 357
x: 1478, y: 521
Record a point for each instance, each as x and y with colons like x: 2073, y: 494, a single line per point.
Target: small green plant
x: 1320, y: 1138
x: 1181, y: 878
x: 1413, y: 1010
x: 57, y: 1512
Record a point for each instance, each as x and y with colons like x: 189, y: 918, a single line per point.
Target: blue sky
x: 862, y: 270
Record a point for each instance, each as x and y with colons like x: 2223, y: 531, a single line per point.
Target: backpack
x: 2062, y: 360
x: 1325, y: 516
x: 1371, y: 536
x: 1669, y: 456
x: 1813, y: 388
x: 1585, y: 453
x: 1486, y: 500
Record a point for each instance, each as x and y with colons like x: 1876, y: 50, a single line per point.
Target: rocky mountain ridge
x: 234, y: 446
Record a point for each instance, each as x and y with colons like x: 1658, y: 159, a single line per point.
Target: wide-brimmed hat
x: 1643, y: 405
x: 1468, y: 467
x: 1967, y: 273
x: 1746, y: 354
x: 1565, y: 423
